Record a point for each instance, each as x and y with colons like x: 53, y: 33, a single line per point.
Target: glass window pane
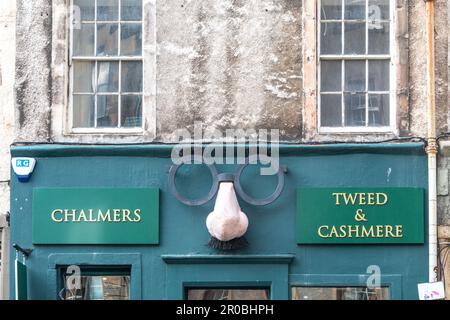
x: 131, y: 10
x: 107, y: 111
x: 379, y: 75
x: 330, y: 38
x: 108, y: 77
x: 355, y: 37
x: 331, y: 10
x: 107, y: 39
x: 84, y: 10
x: 100, y: 288
x: 330, y: 110
x: 107, y: 10
x: 83, y: 111
x: 83, y: 40
x: 355, y: 9
x: 355, y: 76
x: 378, y: 110
x: 340, y: 293
x: 83, y: 76
x: 355, y: 109
x: 378, y: 10
x: 228, y: 294
x: 131, y: 111
x: 131, y: 39
x: 132, y: 76
x: 330, y: 76
x: 379, y: 38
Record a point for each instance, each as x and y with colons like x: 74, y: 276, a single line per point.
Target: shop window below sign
x: 227, y: 294
x: 339, y: 293
x: 97, y: 286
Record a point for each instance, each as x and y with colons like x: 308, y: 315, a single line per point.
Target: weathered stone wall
x: 7, y: 58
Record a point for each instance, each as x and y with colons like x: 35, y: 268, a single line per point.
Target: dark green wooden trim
x: 227, y: 259
x: 164, y: 150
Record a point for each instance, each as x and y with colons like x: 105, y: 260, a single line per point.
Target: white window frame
x: 148, y: 60
x: 391, y: 128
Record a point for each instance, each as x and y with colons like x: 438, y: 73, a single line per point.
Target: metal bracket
x: 25, y: 252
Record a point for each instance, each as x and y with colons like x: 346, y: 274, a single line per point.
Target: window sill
x: 356, y: 130
x: 112, y: 131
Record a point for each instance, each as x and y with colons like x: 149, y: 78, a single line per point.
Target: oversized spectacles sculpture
x: 227, y: 224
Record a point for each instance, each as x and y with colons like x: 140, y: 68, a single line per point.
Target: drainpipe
x: 431, y: 149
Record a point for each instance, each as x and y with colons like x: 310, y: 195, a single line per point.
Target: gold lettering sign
x: 96, y: 215
x: 360, y: 230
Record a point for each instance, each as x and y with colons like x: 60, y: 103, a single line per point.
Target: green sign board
x: 360, y: 215
x: 21, y: 280
x: 95, y: 216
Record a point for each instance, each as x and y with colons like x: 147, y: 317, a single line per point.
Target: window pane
x: 355, y: 109
x: 107, y: 39
x: 132, y: 76
x: 228, y: 294
x: 85, y: 9
x: 107, y: 10
x: 83, y: 111
x: 330, y: 38
x: 83, y: 40
x: 379, y: 75
x: 355, y: 38
x: 379, y: 38
x: 131, y: 111
x: 108, y: 77
x: 100, y: 288
x: 107, y: 111
x: 331, y: 10
x: 83, y: 75
x: 355, y: 76
x: 131, y: 39
x: 324, y: 293
x: 378, y: 9
x: 378, y: 110
x: 330, y: 110
x: 355, y: 9
x: 131, y: 10
x: 330, y: 76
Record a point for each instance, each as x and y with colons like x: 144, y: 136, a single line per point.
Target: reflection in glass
x: 83, y: 40
x: 355, y: 109
x: 330, y: 76
x: 85, y: 9
x: 330, y: 110
x: 107, y: 111
x: 379, y: 38
x: 228, y: 294
x: 107, y: 10
x: 339, y: 293
x: 131, y: 39
x: 355, y: 9
x: 83, y: 111
x: 355, y: 38
x: 331, y: 10
x: 330, y: 38
x: 132, y: 76
x: 131, y: 111
x: 378, y: 10
x: 379, y: 75
x: 100, y: 288
x: 131, y: 10
x: 83, y: 75
x: 107, y: 39
x: 108, y: 77
x: 355, y: 75
x: 378, y: 110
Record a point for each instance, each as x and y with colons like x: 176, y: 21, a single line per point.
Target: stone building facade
x: 228, y: 64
